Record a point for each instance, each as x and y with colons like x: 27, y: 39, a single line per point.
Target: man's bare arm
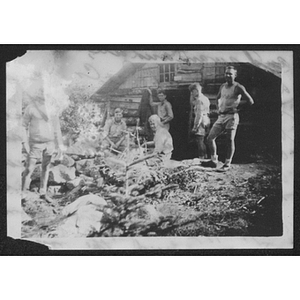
x: 219, y: 96
x: 198, y: 115
x: 170, y: 115
x: 247, y: 99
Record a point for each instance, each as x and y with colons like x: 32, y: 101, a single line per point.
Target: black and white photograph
x: 150, y: 149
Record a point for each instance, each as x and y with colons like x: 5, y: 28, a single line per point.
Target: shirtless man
x: 162, y: 141
x: 41, y: 138
x: 164, y: 108
x: 229, y: 98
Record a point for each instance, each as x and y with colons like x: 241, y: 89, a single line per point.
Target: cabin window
x: 166, y: 72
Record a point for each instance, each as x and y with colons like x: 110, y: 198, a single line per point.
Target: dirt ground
x: 185, y: 200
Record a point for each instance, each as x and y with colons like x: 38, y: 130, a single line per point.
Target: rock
x: 74, y: 183
x: 82, y: 201
x: 61, y: 174
x: 86, y: 178
x: 29, y: 196
x: 83, y: 217
x: 88, y: 219
x: 167, y: 210
x: 172, y: 164
x: 84, y: 166
x: 150, y: 213
x: 67, y: 161
x: 196, y: 161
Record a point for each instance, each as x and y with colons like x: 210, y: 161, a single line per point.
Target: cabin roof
x: 116, y: 80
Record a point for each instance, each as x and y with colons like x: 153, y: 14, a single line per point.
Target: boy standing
x: 200, y: 106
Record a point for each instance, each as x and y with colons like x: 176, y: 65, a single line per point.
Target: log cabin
x: 260, y: 125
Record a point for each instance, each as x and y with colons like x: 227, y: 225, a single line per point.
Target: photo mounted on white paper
x: 150, y: 149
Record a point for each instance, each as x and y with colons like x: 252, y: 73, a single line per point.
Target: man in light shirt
x: 200, y: 106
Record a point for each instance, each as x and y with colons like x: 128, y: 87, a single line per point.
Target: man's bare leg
x: 230, y: 136
x: 26, y: 177
x: 211, y: 140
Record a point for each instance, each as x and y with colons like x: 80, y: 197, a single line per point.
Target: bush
x: 82, y: 118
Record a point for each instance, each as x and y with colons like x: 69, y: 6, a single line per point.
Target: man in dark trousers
x: 229, y: 99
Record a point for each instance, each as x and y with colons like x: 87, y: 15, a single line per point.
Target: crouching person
x: 115, y: 133
x: 162, y: 141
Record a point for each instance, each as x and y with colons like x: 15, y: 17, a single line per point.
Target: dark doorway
x: 180, y: 98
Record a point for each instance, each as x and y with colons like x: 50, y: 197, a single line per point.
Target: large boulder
x: 88, y: 220
x: 84, y: 217
x: 83, y: 201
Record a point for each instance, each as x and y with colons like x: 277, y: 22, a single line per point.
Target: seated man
x: 163, y: 142
x: 115, y: 132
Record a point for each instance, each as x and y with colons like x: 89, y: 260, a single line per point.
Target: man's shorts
x: 203, y: 129
x: 228, y: 121
x: 38, y: 150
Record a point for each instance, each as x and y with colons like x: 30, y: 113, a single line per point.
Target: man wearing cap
x: 115, y: 132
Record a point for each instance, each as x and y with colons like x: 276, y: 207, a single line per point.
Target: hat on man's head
x: 118, y: 110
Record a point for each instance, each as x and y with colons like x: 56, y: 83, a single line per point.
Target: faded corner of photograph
x: 145, y: 144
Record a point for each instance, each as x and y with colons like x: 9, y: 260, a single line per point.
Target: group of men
x: 42, y: 136
x: 228, y: 99
x: 115, y: 138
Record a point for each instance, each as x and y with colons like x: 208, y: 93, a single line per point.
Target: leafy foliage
x: 82, y: 118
